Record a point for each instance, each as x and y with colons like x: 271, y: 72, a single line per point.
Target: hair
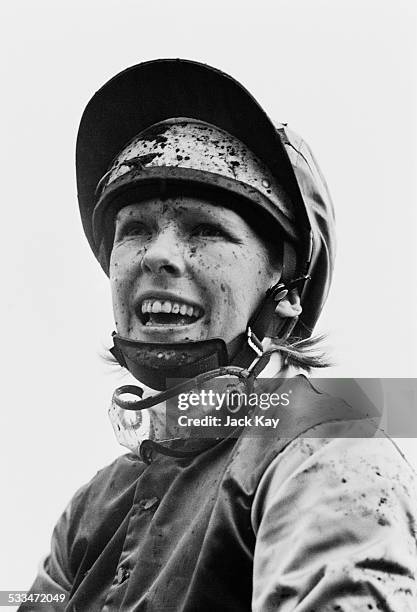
x: 306, y: 354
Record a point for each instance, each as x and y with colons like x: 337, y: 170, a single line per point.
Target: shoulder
x: 111, y: 481
x: 340, y: 514
x: 367, y: 480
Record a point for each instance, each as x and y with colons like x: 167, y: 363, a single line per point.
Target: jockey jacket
x: 320, y: 520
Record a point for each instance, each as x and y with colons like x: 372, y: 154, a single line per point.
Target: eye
x: 209, y: 230
x: 131, y: 229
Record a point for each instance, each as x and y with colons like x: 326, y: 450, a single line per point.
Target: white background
x: 340, y: 72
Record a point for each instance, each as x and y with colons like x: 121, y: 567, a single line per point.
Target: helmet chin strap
x: 157, y: 364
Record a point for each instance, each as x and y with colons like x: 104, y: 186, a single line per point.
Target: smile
x: 154, y: 312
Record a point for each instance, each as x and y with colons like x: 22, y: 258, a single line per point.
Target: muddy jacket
x: 309, y: 523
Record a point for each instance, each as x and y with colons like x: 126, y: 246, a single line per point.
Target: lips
x: 157, y: 311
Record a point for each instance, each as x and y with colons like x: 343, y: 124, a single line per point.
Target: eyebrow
x: 208, y: 211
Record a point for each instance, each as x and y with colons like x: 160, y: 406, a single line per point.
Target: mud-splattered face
x: 184, y: 269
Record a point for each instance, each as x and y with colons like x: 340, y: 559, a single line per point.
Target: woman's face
x: 184, y: 269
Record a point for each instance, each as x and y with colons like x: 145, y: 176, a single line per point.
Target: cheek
x: 250, y: 283
x: 236, y: 286
x: 124, y: 264
x: 121, y: 289
x: 120, y: 305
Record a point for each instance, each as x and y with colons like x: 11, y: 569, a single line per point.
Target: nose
x: 164, y: 255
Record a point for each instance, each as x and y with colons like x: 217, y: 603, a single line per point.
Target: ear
x: 290, y: 305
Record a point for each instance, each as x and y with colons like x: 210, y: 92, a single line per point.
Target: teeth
x: 166, y: 307
x: 153, y: 306
x: 156, y: 307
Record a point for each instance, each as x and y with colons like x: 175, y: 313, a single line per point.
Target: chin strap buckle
x: 254, y: 343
